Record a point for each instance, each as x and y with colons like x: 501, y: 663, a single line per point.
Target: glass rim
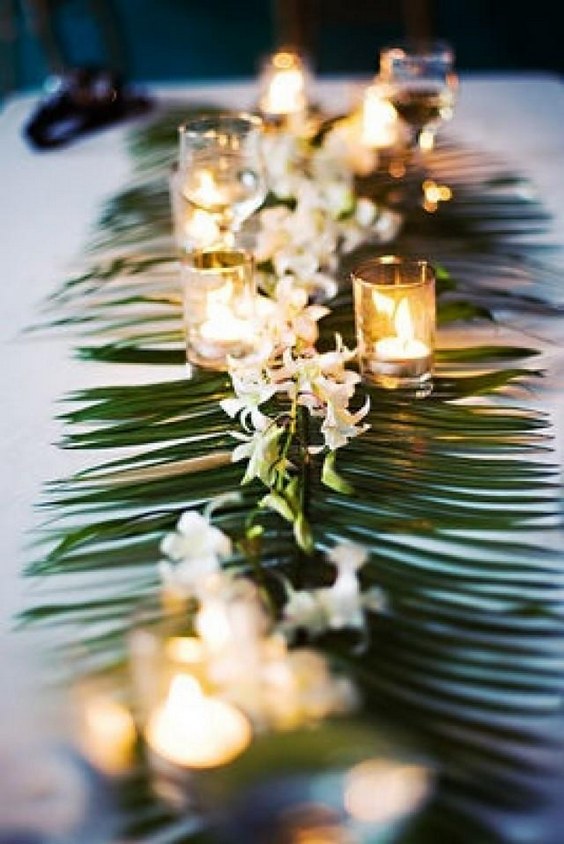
x: 245, y: 118
x: 418, y: 48
x: 370, y: 266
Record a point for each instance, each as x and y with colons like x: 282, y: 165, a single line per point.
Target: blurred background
x: 152, y: 40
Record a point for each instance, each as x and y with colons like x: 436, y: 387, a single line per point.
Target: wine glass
x: 221, y: 168
x: 421, y: 85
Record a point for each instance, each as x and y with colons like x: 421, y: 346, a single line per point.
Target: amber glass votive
x: 395, y: 316
x: 219, y: 306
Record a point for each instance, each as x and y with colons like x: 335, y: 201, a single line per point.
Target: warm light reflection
x: 285, y: 85
x: 403, y: 345
x: 379, y: 120
x: 204, y: 190
x: 109, y: 734
x: 384, y: 305
x: 201, y: 228
x: 382, y: 791
x: 434, y: 193
x: 426, y: 140
x: 193, y: 730
x: 213, y: 625
x: 221, y: 323
x: 185, y: 649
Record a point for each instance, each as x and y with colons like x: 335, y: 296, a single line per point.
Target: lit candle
x: 403, y: 346
x: 204, y: 190
x: 192, y: 730
x: 221, y: 325
x: 379, y: 120
x: 108, y: 735
x: 395, y: 322
x: 219, y: 306
x: 194, y: 228
x: 200, y: 229
x: 284, y: 85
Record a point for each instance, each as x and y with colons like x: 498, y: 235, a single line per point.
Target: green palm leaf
x: 458, y: 502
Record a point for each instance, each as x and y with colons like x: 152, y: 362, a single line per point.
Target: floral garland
x: 293, y: 404
x: 252, y: 662
x: 312, y: 218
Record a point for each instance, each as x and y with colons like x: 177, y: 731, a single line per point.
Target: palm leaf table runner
x: 457, y: 497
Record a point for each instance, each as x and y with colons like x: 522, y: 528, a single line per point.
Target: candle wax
x: 400, y: 349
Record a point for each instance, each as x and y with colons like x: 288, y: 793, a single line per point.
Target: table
x: 51, y: 201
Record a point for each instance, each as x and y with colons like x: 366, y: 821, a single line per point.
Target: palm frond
x: 456, y: 497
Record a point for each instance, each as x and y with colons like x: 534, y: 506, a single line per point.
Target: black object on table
x: 80, y: 101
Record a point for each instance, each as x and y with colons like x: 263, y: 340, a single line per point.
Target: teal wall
x: 207, y: 39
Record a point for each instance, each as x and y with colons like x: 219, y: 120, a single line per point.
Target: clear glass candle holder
x: 221, y: 169
x: 219, y: 306
x: 284, y: 83
x: 394, y: 302
x: 186, y: 727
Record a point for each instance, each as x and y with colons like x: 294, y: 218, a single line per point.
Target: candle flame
x: 184, y: 691
x: 400, y: 314
x: 196, y: 731
x: 379, y: 120
x: 285, y: 92
x: 384, y: 305
x: 201, y: 228
x: 206, y: 192
x: 185, y: 649
x: 403, y: 322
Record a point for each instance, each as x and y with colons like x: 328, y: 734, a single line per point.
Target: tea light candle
x: 379, y: 120
x: 402, y: 348
x: 395, y: 322
x: 221, y: 325
x: 193, y: 730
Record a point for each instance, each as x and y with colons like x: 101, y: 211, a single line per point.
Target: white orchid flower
x: 195, y: 551
x: 252, y: 389
x: 340, y: 425
x: 335, y: 607
x: 262, y: 449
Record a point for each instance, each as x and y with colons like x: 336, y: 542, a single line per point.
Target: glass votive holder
x: 186, y: 728
x: 193, y: 228
x: 105, y: 729
x: 339, y: 782
x: 394, y: 302
x: 283, y: 96
x: 219, y: 306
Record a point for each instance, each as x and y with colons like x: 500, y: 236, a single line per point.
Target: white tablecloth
x: 50, y: 202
